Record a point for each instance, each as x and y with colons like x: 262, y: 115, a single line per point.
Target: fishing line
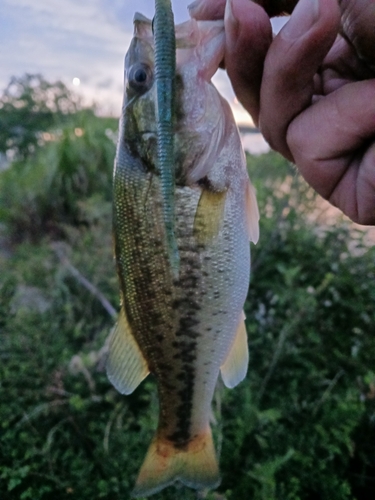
x: 130, y: 102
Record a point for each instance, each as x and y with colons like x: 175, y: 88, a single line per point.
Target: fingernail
x: 304, y: 16
x: 193, y: 8
x: 230, y: 18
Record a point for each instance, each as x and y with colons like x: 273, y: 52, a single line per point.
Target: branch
x: 84, y: 281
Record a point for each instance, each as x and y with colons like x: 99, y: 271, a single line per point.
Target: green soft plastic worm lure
x: 165, y: 74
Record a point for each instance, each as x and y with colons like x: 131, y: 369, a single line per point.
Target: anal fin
x: 234, y: 369
x: 126, y: 365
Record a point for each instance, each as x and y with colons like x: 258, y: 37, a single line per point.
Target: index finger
x: 248, y: 37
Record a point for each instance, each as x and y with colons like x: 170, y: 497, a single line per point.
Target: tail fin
x: 195, y: 466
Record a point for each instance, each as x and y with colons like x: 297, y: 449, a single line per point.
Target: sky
x: 82, y: 41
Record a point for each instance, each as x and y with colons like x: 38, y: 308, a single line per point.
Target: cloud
x: 80, y: 38
x: 105, y: 84
x: 82, y: 19
x: 87, y: 39
x: 62, y: 40
x: 72, y: 38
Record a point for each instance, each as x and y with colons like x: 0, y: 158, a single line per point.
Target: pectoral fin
x: 234, y: 369
x: 252, y: 213
x: 126, y: 366
x: 209, y: 216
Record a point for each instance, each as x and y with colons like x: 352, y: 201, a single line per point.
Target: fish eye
x: 140, y: 77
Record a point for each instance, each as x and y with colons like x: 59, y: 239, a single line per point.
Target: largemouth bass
x: 184, y: 329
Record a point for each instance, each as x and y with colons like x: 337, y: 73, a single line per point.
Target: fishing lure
x: 165, y: 78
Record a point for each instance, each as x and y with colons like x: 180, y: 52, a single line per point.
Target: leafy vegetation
x: 302, y: 424
x: 29, y: 106
x: 68, y: 162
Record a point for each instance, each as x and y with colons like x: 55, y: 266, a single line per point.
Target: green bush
x: 40, y: 194
x: 302, y: 424
x: 29, y: 106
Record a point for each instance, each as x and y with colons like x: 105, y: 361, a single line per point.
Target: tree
x: 30, y: 106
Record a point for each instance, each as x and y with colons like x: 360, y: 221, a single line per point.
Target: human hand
x: 311, y: 90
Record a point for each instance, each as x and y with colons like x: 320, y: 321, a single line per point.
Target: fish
x: 189, y: 328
